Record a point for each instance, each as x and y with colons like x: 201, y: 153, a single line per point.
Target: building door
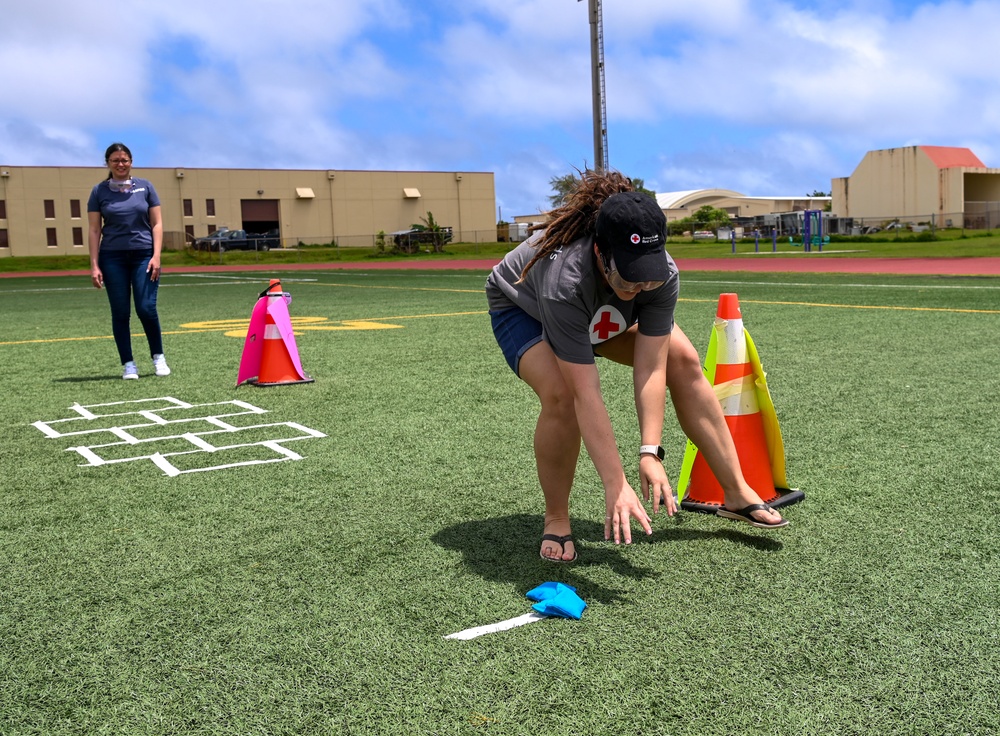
x: 261, y: 216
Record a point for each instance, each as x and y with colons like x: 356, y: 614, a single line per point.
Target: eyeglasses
x: 119, y: 161
x: 620, y: 284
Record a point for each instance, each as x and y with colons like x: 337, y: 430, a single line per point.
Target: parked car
x: 211, y: 241
x: 224, y: 239
x: 409, y: 241
x: 272, y: 238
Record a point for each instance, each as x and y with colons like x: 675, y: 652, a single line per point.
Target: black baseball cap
x: 634, y: 229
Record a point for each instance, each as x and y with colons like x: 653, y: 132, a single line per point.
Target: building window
x: 188, y: 208
x: 78, y: 236
x: 3, y: 209
x: 210, y: 207
x: 50, y: 209
x: 211, y: 229
x: 50, y: 236
x: 189, y: 233
x: 4, y: 242
x: 74, y: 209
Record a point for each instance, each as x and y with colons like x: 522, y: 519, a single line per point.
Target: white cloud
x: 776, y: 95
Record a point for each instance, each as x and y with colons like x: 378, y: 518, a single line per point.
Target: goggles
x: 620, y: 284
x: 120, y: 186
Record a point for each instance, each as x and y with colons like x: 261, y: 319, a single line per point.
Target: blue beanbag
x: 565, y: 603
x: 548, y: 590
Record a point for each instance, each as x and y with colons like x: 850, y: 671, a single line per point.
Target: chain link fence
x: 978, y: 216
x: 377, y: 244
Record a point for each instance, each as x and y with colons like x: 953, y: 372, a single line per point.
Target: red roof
x: 947, y: 157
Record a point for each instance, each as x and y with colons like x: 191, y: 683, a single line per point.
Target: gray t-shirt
x: 577, y: 309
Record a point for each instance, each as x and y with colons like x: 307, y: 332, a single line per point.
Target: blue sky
x: 765, y: 97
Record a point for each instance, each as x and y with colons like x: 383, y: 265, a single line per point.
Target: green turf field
x: 306, y: 586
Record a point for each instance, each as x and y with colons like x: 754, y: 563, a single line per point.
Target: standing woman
x: 126, y: 238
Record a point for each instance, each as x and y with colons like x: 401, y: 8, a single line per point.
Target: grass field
x: 313, y: 595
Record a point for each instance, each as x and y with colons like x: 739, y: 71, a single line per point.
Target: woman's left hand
x: 153, y: 269
x: 654, y: 478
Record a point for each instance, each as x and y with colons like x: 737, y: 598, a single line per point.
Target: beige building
x: 678, y: 205
x: 43, y: 210
x: 929, y: 185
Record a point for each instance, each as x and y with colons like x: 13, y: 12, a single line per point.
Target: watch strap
x: 652, y: 450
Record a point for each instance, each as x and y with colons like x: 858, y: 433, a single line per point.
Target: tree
x: 706, y: 217
x: 818, y: 193
x: 640, y: 186
x: 563, y: 186
x: 711, y: 216
x: 437, y: 232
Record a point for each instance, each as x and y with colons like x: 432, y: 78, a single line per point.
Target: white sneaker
x: 160, y: 365
x: 131, y: 371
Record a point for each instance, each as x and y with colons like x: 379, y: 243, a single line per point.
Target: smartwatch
x: 652, y: 450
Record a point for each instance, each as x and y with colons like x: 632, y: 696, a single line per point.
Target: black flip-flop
x: 561, y: 541
x: 744, y: 515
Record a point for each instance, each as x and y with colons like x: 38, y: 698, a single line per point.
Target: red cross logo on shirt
x: 607, y: 323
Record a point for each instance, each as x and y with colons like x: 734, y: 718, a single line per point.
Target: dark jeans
x: 124, y: 276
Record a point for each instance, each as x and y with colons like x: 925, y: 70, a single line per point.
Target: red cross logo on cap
x: 635, y: 239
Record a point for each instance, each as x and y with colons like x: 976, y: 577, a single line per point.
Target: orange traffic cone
x: 270, y: 356
x: 734, y: 369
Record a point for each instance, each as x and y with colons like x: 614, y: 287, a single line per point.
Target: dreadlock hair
x: 577, y: 215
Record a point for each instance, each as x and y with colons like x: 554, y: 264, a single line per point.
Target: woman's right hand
x: 96, y: 277
x: 621, y: 506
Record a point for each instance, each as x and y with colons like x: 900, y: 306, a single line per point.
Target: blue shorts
x: 516, y: 331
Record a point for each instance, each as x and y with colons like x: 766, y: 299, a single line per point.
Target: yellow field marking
x: 232, y: 324
x: 238, y: 327
x: 427, y: 316
x: 347, y: 324
x: 854, y: 306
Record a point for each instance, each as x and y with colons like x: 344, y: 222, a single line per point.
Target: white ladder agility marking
x: 203, y: 442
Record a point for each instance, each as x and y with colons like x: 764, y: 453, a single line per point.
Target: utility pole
x: 597, y: 82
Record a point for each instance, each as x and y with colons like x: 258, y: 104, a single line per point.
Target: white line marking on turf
x: 972, y: 287
x: 241, y: 279
x: 510, y: 623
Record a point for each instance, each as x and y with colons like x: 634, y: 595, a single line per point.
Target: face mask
x: 120, y: 186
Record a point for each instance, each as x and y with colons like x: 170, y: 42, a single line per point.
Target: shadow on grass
x: 505, y: 549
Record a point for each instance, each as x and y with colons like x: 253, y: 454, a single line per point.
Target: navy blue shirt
x: 125, y: 215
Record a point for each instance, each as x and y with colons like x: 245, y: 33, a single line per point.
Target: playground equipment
x: 812, y: 231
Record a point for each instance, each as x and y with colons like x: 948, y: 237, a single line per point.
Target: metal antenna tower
x: 597, y: 80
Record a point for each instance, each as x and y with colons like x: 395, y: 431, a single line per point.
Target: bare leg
x: 557, y: 444
x: 700, y: 416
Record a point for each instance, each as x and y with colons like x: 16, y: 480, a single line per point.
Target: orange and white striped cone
x: 738, y: 378
x: 279, y: 356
